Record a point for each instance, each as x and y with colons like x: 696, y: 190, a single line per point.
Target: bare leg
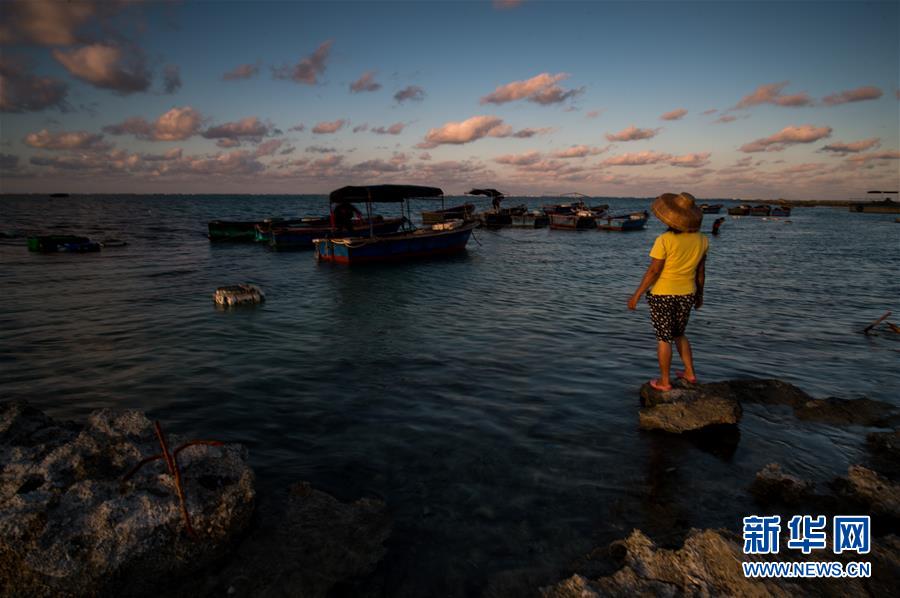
x: 684, y: 349
x: 664, y: 353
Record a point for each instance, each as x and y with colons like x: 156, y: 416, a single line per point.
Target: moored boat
x: 465, y: 211
x: 760, y: 210
x: 530, y: 219
x: 625, y: 222
x: 575, y: 220
x: 741, y: 210
x: 443, y: 238
x: 710, y: 208
x: 263, y: 230
x: 885, y: 206
x: 781, y: 211
x: 302, y: 237
x: 232, y: 230
x: 61, y: 243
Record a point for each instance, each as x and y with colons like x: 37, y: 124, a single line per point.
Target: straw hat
x: 678, y: 211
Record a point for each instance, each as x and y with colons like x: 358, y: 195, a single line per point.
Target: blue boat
x: 626, y: 222
x: 445, y: 238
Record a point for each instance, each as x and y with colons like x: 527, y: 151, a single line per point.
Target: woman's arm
x: 650, y: 276
x: 700, y: 280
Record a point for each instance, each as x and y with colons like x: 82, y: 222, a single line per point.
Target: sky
x: 726, y: 99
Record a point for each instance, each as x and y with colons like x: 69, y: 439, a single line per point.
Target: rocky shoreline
x: 72, y: 525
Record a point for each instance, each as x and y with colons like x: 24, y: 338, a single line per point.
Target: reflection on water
x: 489, y: 398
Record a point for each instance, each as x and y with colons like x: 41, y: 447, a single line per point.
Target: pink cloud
x: 394, y: 129
x: 529, y: 132
x: 309, y: 69
x: 45, y: 23
x: 725, y: 118
x: 525, y: 159
x: 787, y: 136
x: 676, y: 114
x: 411, y: 93
x: 63, y: 140
x: 228, y: 143
x: 20, y: 91
x: 841, y: 148
x: 579, y: 151
x: 860, y: 94
x: 268, y: 148
x: 174, y: 125
x: 593, y: 114
x: 710, y: 111
x: 632, y: 133
x: 361, y: 128
x: 471, y: 129
x: 691, y: 160
x: 107, y: 67
x: 541, y: 89
x: 637, y: 159
x: 365, y: 83
x: 886, y: 155
x: 249, y: 128
x: 326, y: 127
x: 318, y: 149
x: 771, y: 94
x: 243, y: 71
x: 507, y: 4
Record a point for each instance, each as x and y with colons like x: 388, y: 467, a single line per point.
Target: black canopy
x: 488, y: 192
x: 383, y: 193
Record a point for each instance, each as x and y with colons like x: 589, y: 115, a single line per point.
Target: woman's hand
x: 632, y: 303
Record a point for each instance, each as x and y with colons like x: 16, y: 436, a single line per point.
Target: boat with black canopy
x: 443, y: 238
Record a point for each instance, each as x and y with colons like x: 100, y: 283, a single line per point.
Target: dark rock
x: 884, y: 447
x: 866, y: 490
x: 686, y: 408
x: 70, y: 526
x: 860, y: 412
x: 773, y: 486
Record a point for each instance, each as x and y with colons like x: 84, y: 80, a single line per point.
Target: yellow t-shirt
x: 682, y: 252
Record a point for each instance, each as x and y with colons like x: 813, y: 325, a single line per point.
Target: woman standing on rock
x: 675, y: 280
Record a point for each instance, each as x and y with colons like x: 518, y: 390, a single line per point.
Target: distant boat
x: 303, y: 237
x: 711, y: 208
x: 443, y: 238
x: 232, y: 230
x: 263, y: 230
x: 529, y: 219
x: 625, y: 222
x: 781, y: 211
x: 465, y: 211
x: 574, y: 220
x: 885, y: 206
x: 741, y: 210
x: 760, y: 210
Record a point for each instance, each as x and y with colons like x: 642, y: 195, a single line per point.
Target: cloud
x: 246, y: 129
x: 771, y: 94
x: 725, y: 118
x: 171, y: 78
x: 298, y: 127
x: 541, y: 89
x: 785, y: 137
x: 690, y: 160
x: 107, y: 67
x: 394, y: 129
x: 361, y: 128
x: 886, y: 155
x: 579, y: 151
x: 309, y: 69
x: 528, y: 132
x: 174, y: 125
x: 20, y: 91
x: 412, y: 93
x: 329, y: 127
x: 710, y: 111
x: 365, y: 83
x: 73, y: 140
x: 318, y: 149
x: 507, y: 4
x: 242, y: 71
x: 860, y: 94
x: 44, y: 23
x: 268, y: 148
x: 637, y: 159
x: 526, y: 159
x: 676, y: 114
x: 840, y: 148
x: 227, y: 143
x: 472, y: 129
x: 8, y: 161
x: 593, y: 114
x: 632, y: 133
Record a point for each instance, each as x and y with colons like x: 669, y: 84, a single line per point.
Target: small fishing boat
x: 781, y: 211
x: 496, y: 217
x: 60, y: 243
x: 443, y: 238
x: 741, y: 210
x: 302, y: 237
x: 885, y: 206
x: 465, y: 211
x: 760, y: 210
x: 232, y: 230
x: 710, y: 208
x: 263, y: 230
x: 529, y: 219
x: 574, y: 220
x: 625, y: 222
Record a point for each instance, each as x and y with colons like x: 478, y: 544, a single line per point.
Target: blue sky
x: 808, y: 92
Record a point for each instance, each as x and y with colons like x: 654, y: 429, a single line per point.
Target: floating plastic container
x: 238, y: 294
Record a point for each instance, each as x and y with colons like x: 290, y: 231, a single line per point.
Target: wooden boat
x: 760, y: 210
x: 263, y: 230
x: 710, y: 208
x: 232, y: 230
x: 443, y: 238
x: 465, y: 211
x: 741, y: 210
x: 781, y: 211
x: 60, y: 243
x: 575, y: 220
x: 625, y: 222
x: 302, y: 237
x: 530, y: 219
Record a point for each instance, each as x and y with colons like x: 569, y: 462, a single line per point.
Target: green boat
x: 56, y: 243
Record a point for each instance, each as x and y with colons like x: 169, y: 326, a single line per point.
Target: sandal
x: 657, y: 386
x: 680, y: 375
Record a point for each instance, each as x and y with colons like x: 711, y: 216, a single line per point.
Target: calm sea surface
x: 490, y: 399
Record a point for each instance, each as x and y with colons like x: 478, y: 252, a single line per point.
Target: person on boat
x: 495, y: 202
x: 674, y: 282
x: 342, y: 215
x: 716, y: 224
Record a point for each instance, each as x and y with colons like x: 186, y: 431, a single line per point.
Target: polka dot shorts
x: 669, y: 314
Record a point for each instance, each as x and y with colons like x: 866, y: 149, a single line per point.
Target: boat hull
x: 572, y: 222
x: 232, y: 230
x: 739, y: 211
x: 530, y: 221
x: 463, y: 212
x: 760, y: 211
x: 393, y: 248
x: 622, y: 224
x: 286, y: 239
x: 713, y: 209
